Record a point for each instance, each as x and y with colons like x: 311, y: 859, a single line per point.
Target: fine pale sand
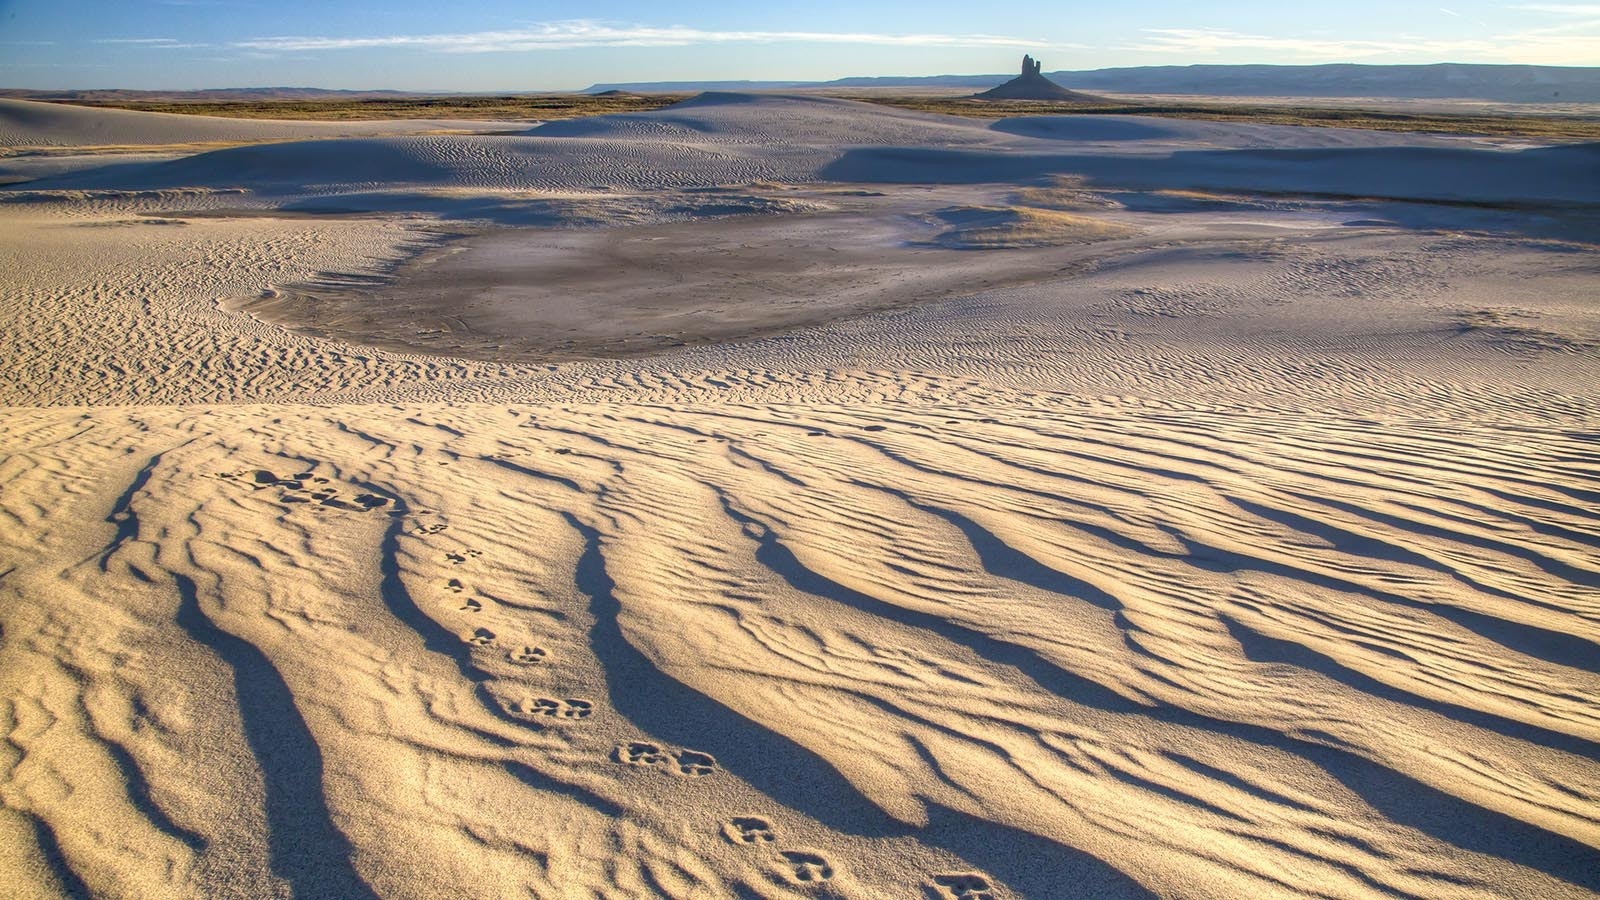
x: 771, y: 497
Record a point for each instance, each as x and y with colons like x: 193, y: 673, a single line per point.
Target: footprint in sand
x: 454, y: 585
x: 963, y: 886
x: 481, y: 637
x: 527, y: 656
x: 549, y: 708
x: 639, y: 753
x: 430, y: 529
x: 748, y: 830
x: 692, y: 763
x: 456, y: 558
x: 695, y: 764
x: 472, y: 605
x: 807, y: 867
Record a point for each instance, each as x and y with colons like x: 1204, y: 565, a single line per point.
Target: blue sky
x: 495, y: 45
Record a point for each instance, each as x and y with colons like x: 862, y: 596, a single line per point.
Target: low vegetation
x: 1551, y: 127
x: 1011, y: 227
x: 544, y: 107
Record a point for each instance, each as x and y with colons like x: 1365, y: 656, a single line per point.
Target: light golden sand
x: 1251, y: 560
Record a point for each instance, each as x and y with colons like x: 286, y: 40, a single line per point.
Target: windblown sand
x: 1230, y: 531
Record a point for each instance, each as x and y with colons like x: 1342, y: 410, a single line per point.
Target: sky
x: 499, y: 45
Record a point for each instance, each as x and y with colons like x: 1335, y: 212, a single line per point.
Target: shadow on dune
x: 307, y: 850
x: 674, y: 712
x: 1264, y: 648
x: 1031, y: 865
x: 273, y: 167
x: 1558, y: 176
x: 1086, y: 128
x: 797, y: 778
x: 71, y: 885
x: 1396, y: 795
x: 444, y: 642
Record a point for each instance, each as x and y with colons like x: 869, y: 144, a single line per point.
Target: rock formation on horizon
x: 1032, y: 85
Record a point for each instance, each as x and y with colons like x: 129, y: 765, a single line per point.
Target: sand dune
x: 1243, y: 553
x: 30, y: 124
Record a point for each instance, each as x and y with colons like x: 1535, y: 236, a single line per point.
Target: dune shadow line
x: 1398, y: 796
x: 793, y: 775
x: 307, y: 850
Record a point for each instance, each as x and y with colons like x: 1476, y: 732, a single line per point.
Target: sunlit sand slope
x: 694, y: 648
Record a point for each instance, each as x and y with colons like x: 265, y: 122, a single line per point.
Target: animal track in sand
x: 435, y: 528
x: 639, y: 753
x: 472, y: 605
x: 696, y: 764
x: 748, y: 830
x: 963, y: 886
x: 481, y: 637
x: 457, y: 558
x: 807, y: 867
x: 527, y: 656
x: 571, y: 708
x: 455, y: 586
x: 691, y: 763
x: 296, y: 491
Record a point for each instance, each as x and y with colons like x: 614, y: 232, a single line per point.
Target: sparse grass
x: 543, y: 107
x: 546, y: 107
x: 1064, y: 192
x: 1543, y: 127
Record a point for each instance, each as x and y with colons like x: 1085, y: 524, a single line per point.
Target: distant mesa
x: 1031, y: 85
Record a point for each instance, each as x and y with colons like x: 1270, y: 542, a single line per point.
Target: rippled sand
x: 1248, y: 553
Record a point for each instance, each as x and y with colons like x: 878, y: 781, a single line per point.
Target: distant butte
x: 1031, y: 85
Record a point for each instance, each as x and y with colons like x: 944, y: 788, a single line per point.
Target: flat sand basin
x: 548, y: 294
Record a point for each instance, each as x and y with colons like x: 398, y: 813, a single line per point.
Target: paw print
x: 639, y: 753
x: 527, y: 656
x: 807, y: 867
x: 749, y: 830
x: 554, y: 709
x: 963, y: 886
x: 695, y: 764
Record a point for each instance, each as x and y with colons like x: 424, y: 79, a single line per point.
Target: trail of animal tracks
x: 1254, y: 557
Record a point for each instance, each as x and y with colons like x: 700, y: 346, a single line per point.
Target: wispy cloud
x: 1548, y: 46
x: 162, y: 43
x: 578, y: 34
